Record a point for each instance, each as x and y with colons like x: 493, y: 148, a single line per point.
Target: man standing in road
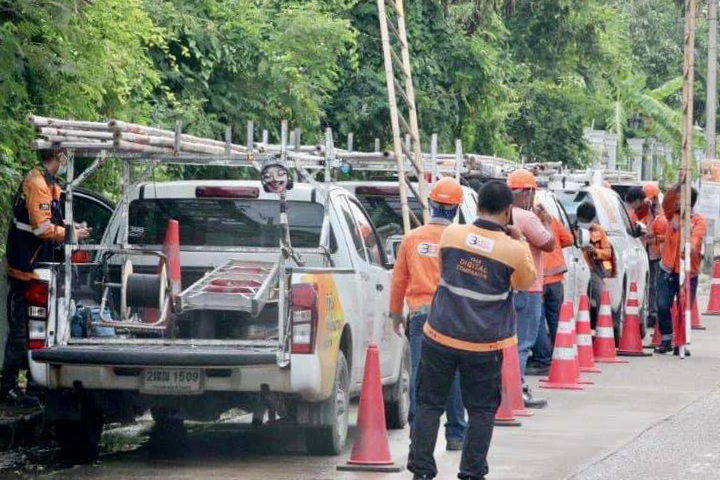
x: 415, y: 279
x: 554, y: 269
x: 668, y: 280
x: 536, y: 228
x: 471, y: 320
x: 36, y: 230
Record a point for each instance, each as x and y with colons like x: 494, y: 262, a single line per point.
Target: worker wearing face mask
x: 36, y: 231
x: 598, y: 254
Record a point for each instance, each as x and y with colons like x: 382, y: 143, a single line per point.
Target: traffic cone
x: 604, y: 342
x: 504, y: 416
x: 696, y: 321
x: 580, y: 380
x: 656, y: 337
x: 511, y: 378
x: 586, y: 358
x: 371, y: 451
x: 713, y: 307
x: 630, y: 341
x: 563, y: 370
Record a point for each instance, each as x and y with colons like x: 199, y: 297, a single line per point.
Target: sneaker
x: 19, y: 399
x: 664, y: 347
x: 676, y: 352
x: 454, y: 445
x: 537, y: 370
x: 531, y: 402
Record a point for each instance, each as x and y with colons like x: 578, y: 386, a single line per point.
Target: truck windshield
x: 386, y: 212
x: 571, y: 200
x: 224, y: 222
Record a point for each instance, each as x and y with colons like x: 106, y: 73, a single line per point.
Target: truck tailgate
x: 155, y: 355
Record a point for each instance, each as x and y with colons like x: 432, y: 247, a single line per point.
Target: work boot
x: 530, y: 401
x: 537, y: 370
x: 664, y: 347
x: 676, y: 352
x: 19, y: 399
x: 454, y: 445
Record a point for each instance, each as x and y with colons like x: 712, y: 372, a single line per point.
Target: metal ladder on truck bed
x: 236, y: 285
x: 392, y: 27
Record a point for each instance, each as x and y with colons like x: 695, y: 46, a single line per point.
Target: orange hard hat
x: 447, y: 191
x: 652, y: 190
x: 521, y: 179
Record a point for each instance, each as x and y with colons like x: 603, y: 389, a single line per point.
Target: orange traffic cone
x: 511, y: 379
x: 630, y: 341
x: 563, y: 370
x: 696, y: 321
x: 656, y: 337
x: 713, y: 307
x: 371, y: 451
x: 504, y: 416
x: 604, y: 342
x: 575, y: 348
x: 584, y: 338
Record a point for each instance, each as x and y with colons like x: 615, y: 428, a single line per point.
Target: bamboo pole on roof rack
x: 72, y: 132
x: 54, y: 122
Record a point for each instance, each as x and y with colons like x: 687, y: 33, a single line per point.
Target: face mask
x: 585, y: 225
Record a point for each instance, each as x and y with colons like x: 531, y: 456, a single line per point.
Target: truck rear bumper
x: 164, y: 356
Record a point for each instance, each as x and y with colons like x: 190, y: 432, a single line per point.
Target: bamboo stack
x: 122, y: 137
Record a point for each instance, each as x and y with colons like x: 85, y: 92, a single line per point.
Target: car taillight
x: 227, y: 192
x: 304, y: 317
x: 36, y: 298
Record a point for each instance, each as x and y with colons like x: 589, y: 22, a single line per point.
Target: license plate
x: 172, y: 381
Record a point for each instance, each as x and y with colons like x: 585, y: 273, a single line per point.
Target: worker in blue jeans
x: 455, y: 423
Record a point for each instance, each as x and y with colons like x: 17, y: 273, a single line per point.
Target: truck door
x: 375, y: 292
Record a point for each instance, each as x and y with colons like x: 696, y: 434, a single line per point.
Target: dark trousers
x: 668, y: 286
x: 553, y: 297
x: 652, y: 291
x: 481, y: 390
x: 16, y: 347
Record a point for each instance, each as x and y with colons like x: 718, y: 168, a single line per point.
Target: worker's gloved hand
x: 399, y: 323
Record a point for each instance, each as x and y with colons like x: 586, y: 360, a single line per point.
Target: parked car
x: 630, y: 261
x: 225, y: 349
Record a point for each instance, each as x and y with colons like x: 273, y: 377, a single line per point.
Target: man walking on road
x: 36, y: 230
x: 536, y: 228
x: 415, y: 279
x: 668, y: 280
x: 470, y: 322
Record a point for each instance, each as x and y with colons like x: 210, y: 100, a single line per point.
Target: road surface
x: 654, y: 418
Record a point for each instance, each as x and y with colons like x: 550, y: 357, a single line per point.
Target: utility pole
x: 710, y: 136
x: 686, y: 166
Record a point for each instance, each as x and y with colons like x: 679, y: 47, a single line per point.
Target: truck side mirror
x: 582, y: 237
x: 392, y: 246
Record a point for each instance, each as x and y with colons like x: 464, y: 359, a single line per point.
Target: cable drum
x: 142, y: 290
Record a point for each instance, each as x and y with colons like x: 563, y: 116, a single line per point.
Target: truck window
x: 224, y: 222
x: 367, y: 232
x: 94, y: 213
x: 624, y: 215
x: 386, y: 213
x: 352, y: 227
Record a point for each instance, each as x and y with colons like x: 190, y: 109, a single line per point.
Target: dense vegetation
x: 512, y: 77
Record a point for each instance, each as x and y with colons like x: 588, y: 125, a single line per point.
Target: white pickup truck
x: 212, y: 356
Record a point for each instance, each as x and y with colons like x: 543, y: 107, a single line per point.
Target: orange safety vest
x: 554, y: 266
x: 672, y: 248
x: 602, y: 260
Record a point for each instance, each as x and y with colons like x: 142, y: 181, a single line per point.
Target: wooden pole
x: 687, y: 157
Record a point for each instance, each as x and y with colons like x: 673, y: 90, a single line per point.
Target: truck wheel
x: 331, y: 437
x: 397, y: 405
x: 168, y: 437
x: 79, y: 440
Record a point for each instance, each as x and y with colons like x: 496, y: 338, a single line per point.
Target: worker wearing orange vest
x: 36, y: 232
x: 668, y: 280
x: 598, y: 254
x: 553, y: 296
x: 415, y: 278
x: 653, y: 243
x: 634, y: 201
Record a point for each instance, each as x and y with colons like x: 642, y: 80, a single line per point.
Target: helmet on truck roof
x: 447, y: 191
x: 522, y: 179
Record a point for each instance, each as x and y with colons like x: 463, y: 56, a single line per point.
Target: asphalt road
x: 654, y: 418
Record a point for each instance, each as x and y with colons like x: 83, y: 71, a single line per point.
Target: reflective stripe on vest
x: 480, y: 297
x: 467, y: 346
x: 22, y: 226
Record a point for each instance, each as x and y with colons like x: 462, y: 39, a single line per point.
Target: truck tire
x: 168, y: 437
x: 331, y: 437
x: 397, y: 405
x: 79, y: 440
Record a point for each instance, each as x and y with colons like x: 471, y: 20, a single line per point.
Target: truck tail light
x: 81, y: 256
x: 304, y: 317
x: 36, y: 298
